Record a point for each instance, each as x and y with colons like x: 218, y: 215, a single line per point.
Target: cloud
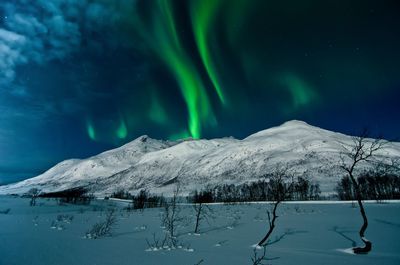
x: 10, y: 54
x: 41, y: 31
x: 27, y: 36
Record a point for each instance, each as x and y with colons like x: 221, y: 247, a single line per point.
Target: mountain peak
x: 143, y: 138
x: 295, y: 123
x: 288, y: 127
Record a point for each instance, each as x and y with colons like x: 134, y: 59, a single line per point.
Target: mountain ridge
x: 152, y: 164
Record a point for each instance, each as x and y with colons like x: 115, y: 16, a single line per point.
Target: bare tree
x: 202, y: 212
x: 280, y: 188
x: 171, y: 217
x: 362, y: 150
x: 170, y: 221
x: 34, y: 194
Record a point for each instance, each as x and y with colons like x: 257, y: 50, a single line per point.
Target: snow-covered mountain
x: 156, y: 165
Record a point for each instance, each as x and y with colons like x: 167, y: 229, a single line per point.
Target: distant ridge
x: 147, y: 163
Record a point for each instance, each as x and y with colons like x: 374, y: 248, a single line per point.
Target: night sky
x: 78, y: 77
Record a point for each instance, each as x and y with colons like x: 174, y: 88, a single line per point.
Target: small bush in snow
x: 104, y: 228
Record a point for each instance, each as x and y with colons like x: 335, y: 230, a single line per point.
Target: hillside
x: 146, y: 163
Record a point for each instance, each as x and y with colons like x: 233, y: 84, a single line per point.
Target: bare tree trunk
x: 271, y: 224
x: 368, y: 244
x: 198, y: 217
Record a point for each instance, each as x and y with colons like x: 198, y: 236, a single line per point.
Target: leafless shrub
x: 60, y: 221
x: 66, y: 218
x: 104, y: 228
x: 165, y: 243
x: 157, y: 243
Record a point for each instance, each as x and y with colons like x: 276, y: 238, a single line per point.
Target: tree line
x: 143, y: 199
x: 372, y: 187
x: 262, y: 190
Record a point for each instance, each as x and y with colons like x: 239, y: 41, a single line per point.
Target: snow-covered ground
x: 311, y: 234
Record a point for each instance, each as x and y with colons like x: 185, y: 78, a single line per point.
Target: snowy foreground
x: 309, y: 234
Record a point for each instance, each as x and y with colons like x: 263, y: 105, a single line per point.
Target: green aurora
x: 195, y: 72
x: 209, y: 49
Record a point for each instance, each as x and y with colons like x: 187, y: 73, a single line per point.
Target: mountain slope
x: 155, y: 165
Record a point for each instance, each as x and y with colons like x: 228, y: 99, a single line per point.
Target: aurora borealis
x: 81, y: 76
